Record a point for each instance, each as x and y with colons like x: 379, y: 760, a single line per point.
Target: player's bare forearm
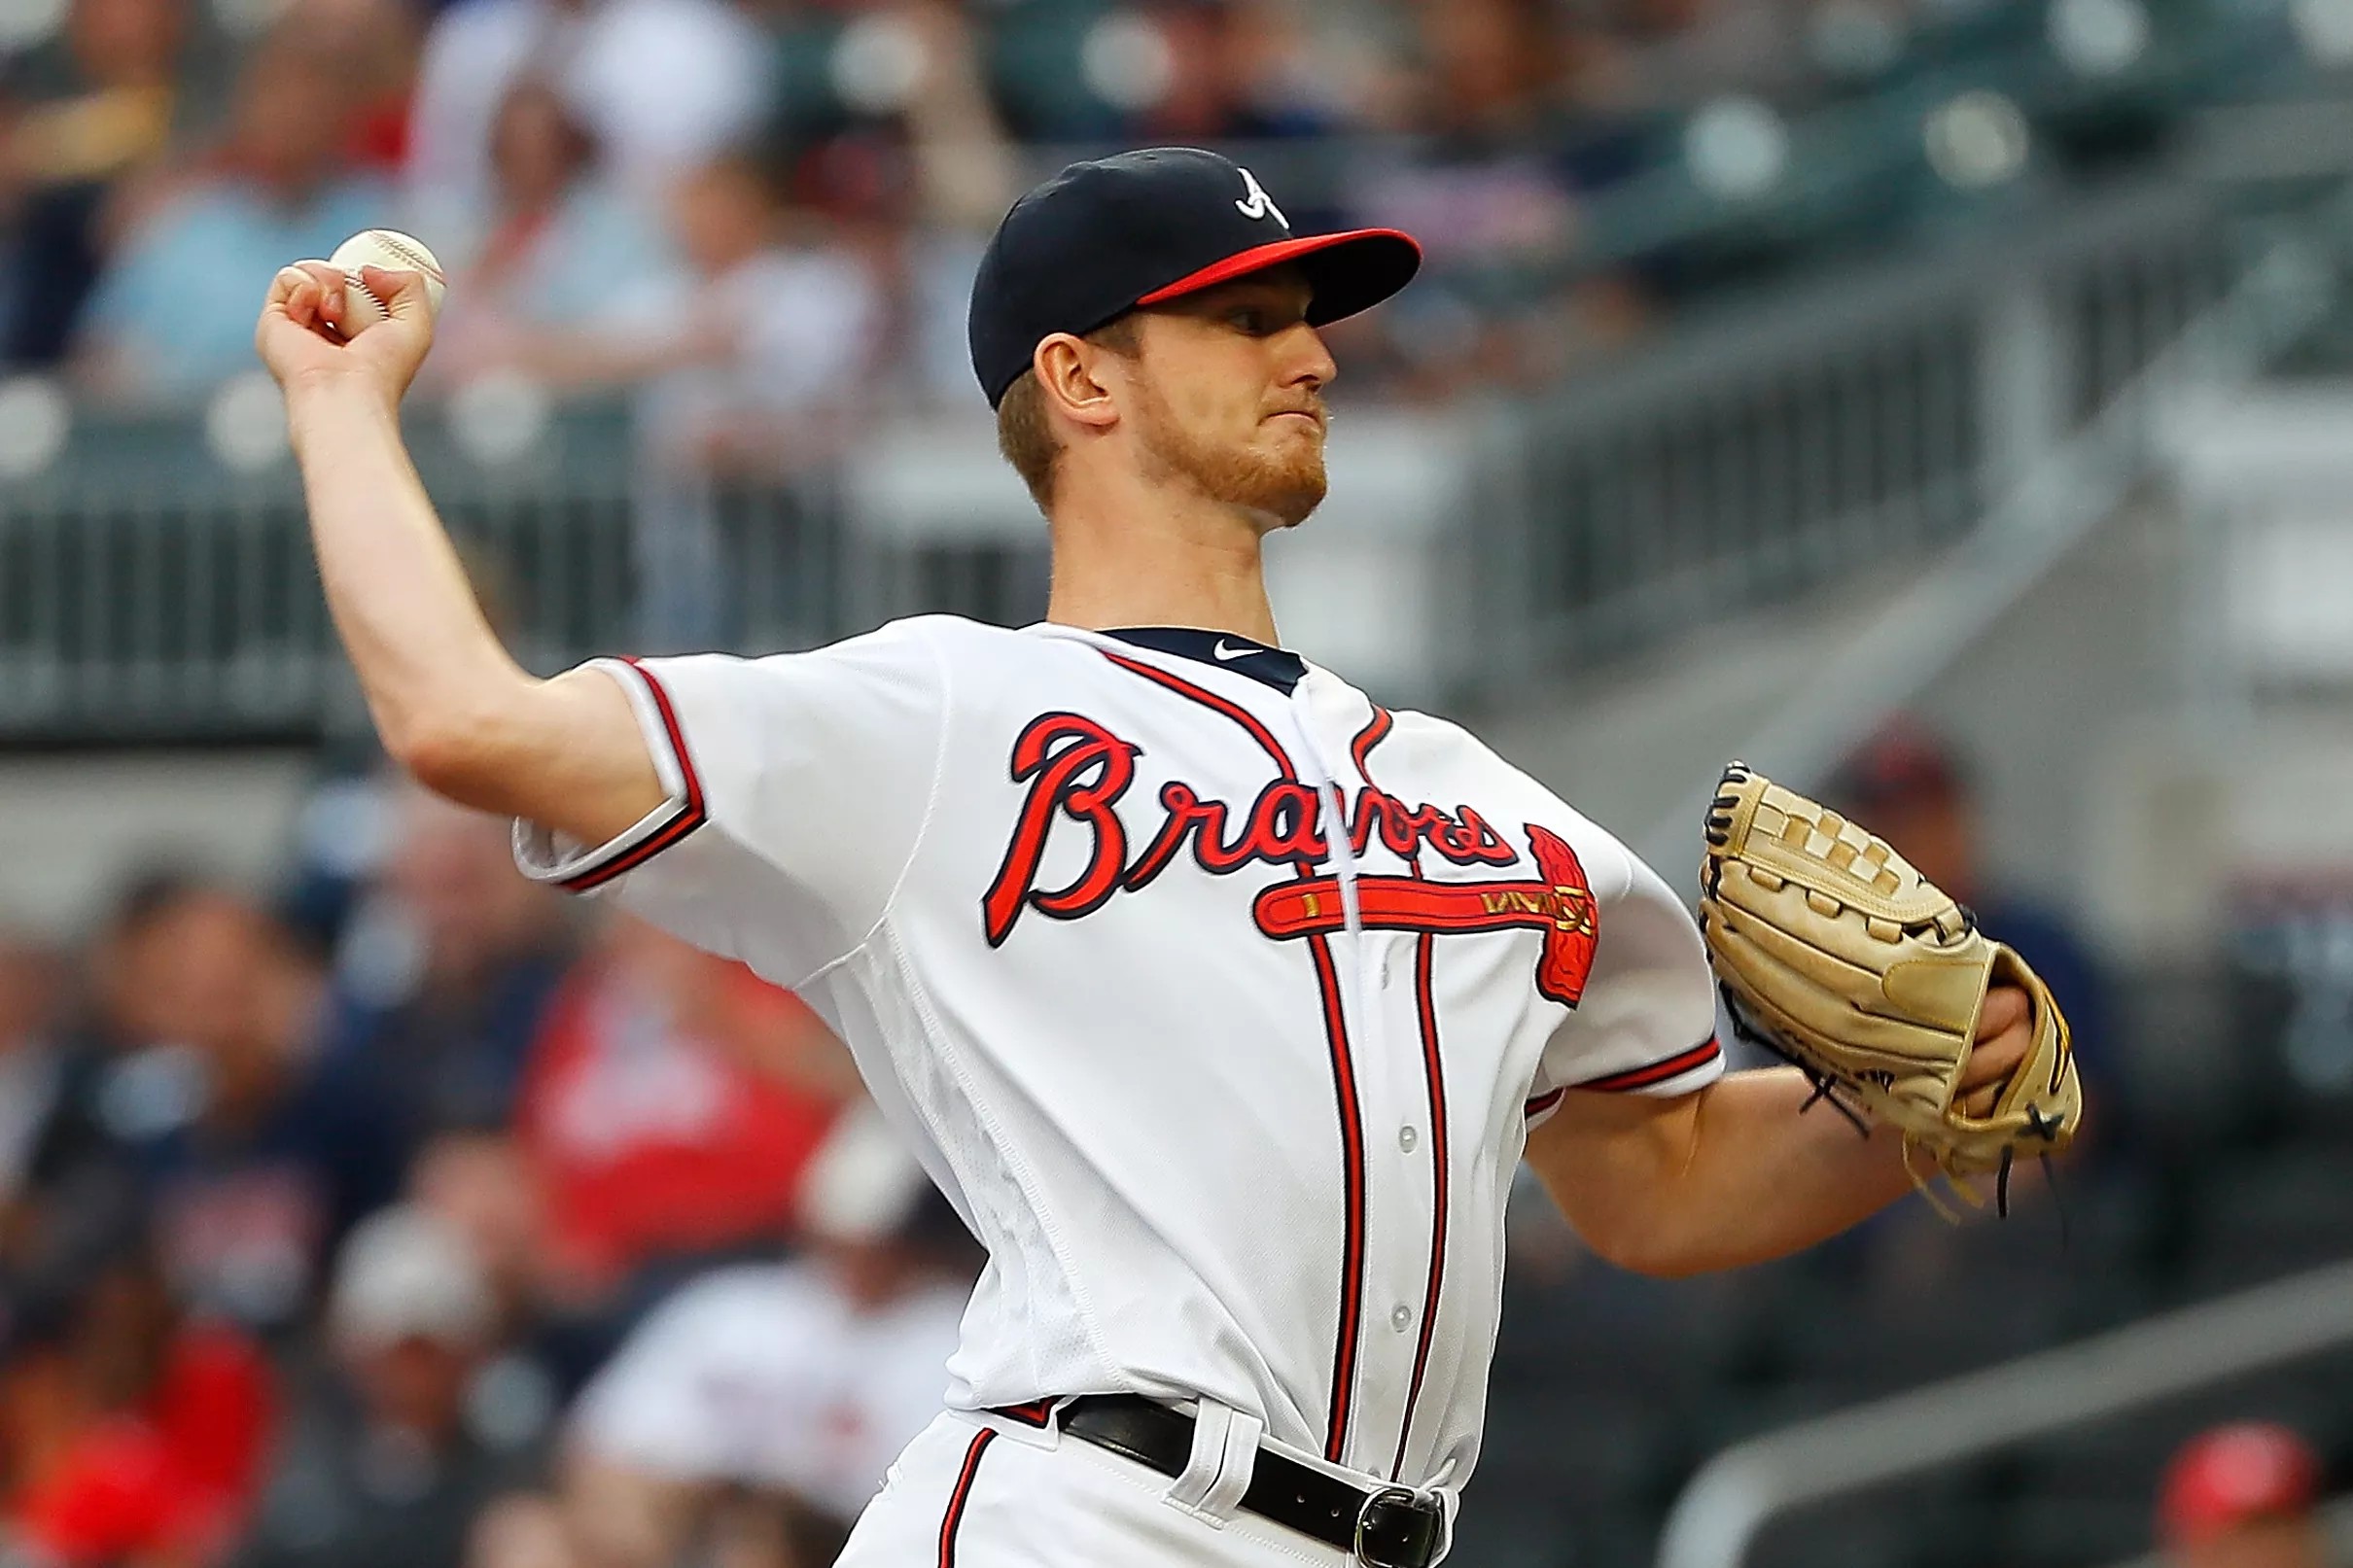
x: 401, y: 601
x: 449, y: 703
x: 1718, y: 1179
x: 1742, y: 1170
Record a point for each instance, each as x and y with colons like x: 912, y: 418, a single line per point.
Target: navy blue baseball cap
x: 1105, y: 236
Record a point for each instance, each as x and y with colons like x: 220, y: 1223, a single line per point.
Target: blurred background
x: 1939, y: 402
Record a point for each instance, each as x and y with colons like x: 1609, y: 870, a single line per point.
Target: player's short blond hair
x: 1025, y: 434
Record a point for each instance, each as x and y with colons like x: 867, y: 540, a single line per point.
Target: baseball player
x: 1221, y: 1000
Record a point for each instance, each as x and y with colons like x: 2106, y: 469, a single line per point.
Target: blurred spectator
x: 661, y: 86
x: 755, y: 367
x: 1492, y: 85
x: 387, y: 1465
x: 370, y: 45
x: 778, y: 346
x: 98, y: 106
x: 938, y: 183
x: 801, y: 1380
x: 1225, y: 77
x: 561, y: 249
x: 173, y: 314
x: 128, y: 1431
x: 521, y: 1530
x: 257, y: 1157
x: 2241, y: 1496
x: 671, y: 1102
x: 779, y: 320
x: 1676, y: 54
x: 93, y: 1088
x: 481, y: 1184
x: 965, y: 164
x: 32, y: 1067
x: 1493, y: 191
x: 443, y: 977
x: 122, y: 1006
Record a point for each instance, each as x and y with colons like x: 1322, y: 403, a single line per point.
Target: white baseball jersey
x: 1217, y: 998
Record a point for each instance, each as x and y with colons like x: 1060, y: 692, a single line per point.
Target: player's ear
x: 1068, y: 371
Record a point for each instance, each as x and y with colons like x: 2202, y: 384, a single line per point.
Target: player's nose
x: 1307, y: 362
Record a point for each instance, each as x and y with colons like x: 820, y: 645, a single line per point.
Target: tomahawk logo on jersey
x: 1217, y: 998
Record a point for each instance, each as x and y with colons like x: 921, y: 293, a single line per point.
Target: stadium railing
x: 150, y: 589
x: 1785, y: 444
x: 1727, y: 1505
x: 2041, y: 508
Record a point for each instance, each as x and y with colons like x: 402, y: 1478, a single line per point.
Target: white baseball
x: 389, y: 249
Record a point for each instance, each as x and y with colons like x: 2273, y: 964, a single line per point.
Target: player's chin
x: 1289, y: 498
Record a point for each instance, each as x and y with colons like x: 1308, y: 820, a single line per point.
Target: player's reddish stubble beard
x: 1275, y: 475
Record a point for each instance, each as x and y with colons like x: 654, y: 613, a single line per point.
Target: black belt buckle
x: 1397, y: 1528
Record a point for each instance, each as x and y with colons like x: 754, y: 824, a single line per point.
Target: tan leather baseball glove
x: 1835, y: 954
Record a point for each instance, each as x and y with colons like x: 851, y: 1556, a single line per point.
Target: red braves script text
x: 1078, y: 771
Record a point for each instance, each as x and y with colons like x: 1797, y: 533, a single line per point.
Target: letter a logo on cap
x: 1255, y: 202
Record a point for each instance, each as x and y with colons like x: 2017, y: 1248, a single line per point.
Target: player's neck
x: 1159, y: 563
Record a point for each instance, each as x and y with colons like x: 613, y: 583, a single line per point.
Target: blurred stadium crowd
x: 787, y: 196
x: 414, y: 1220
x: 772, y: 207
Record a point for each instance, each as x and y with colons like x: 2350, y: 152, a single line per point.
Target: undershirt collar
x: 1275, y: 667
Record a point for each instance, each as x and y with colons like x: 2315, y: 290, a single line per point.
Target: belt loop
x: 1241, y: 1437
x: 1209, y: 1425
x: 1225, y: 1448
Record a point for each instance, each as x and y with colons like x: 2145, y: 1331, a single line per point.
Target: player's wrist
x: 327, y: 404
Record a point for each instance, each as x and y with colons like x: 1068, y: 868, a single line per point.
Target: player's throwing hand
x: 301, y: 333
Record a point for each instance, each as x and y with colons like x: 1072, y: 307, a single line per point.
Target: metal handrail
x: 1739, y: 1491
x: 1755, y: 457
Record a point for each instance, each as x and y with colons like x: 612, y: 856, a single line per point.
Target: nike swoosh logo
x: 1229, y: 654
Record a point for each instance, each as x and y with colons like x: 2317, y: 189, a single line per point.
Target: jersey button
x: 1407, y: 1138
x: 1401, y: 1317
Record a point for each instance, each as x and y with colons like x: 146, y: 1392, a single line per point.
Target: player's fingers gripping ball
x: 1834, y: 953
x: 392, y: 252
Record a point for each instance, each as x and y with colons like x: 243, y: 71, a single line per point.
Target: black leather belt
x: 1388, y: 1527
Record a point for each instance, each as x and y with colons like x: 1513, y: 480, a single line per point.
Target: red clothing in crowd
x: 173, y: 1479
x: 652, y: 1140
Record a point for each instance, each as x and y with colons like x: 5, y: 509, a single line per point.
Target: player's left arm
x: 1733, y: 1173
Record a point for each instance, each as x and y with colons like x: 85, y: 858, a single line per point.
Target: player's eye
x: 1252, y: 320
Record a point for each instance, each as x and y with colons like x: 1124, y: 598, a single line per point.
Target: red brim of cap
x: 1352, y: 271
